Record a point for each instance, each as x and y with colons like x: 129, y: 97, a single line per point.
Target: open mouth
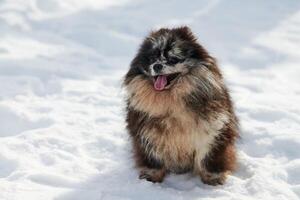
x: 164, y: 81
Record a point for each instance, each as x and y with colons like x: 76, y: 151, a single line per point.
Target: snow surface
x: 62, y: 132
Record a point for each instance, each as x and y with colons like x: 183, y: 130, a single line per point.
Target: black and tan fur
x: 190, y: 126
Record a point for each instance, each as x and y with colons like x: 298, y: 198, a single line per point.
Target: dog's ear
x: 184, y: 33
x: 183, y: 29
x: 161, y: 31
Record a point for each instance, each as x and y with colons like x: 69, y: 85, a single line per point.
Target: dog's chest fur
x: 173, y: 134
x: 179, y: 141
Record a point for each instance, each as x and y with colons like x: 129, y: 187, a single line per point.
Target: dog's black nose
x: 157, y: 67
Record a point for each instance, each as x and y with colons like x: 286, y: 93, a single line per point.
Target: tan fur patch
x: 184, y: 142
x: 157, y: 103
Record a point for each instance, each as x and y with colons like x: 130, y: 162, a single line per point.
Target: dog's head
x: 165, y: 56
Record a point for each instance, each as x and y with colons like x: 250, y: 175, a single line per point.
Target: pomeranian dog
x: 179, y: 113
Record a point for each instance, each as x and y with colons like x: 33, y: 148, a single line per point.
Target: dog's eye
x: 173, y: 60
x: 153, y: 56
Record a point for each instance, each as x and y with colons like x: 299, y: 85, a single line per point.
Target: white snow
x: 62, y: 132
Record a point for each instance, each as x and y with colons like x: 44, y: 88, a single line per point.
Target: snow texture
x: 62, y: 132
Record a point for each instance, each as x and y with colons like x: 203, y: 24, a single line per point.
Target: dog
x: 180, y: 116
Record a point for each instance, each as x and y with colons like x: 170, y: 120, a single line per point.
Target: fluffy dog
x: 179, y: 113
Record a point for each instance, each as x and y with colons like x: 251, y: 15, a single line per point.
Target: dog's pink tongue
x: 160, y: 82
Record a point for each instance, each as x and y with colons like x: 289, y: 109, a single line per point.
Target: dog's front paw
x: 153, y: 175
x: 213, y: 178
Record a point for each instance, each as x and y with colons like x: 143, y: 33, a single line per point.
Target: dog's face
x: 165, y: 56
